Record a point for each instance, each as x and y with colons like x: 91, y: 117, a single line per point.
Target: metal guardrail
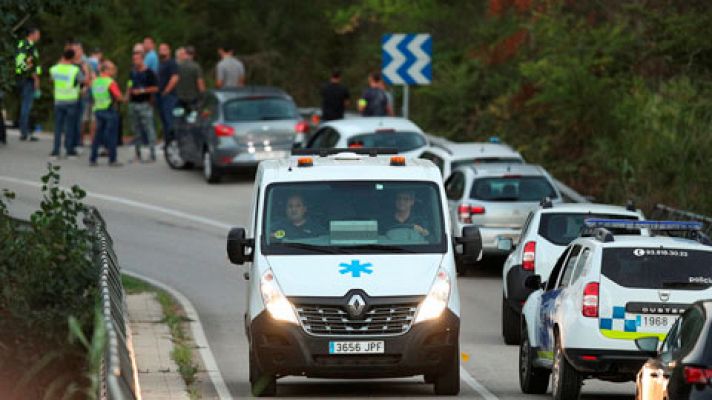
x: 661, y: 211
x: 569, y: 194
x: 117, y: 372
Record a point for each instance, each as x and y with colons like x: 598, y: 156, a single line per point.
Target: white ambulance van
x: 352, y: 270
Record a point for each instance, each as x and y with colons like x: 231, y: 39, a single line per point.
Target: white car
x: 496, y: 198
x: 370, y: 132
x: 448, y: 156
x: 604, y: 292
x: 352, y: 271
x: 546, y: 233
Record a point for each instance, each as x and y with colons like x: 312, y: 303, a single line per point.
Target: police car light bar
x: 633, y: 224
x: 372, y: 152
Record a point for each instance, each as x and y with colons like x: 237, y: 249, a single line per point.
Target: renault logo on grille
x: 355, y: 306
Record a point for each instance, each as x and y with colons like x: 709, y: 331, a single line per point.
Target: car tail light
x: 697, y: 375
x: 529, y: 256
x: 466, y: 211
x: 590, y: 300
x: 224, y: 131
x: 301, y: 127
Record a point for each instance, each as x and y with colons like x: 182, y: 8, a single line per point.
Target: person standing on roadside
x: 190, y: 85
x: 65, y: 76
x: 373, y: 101
x: 95, y: 59
x: 106, y: 94
x: 167, y: 81
x: 27, y: 75
x: 334, y: 98
x: 83, y: 103
x: 142, y: 85
x: 230, y: 72
x: 150, y: 58
x: 3, y: 134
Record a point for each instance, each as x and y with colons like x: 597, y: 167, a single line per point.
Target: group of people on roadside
x: 375, y: 101
x: 85, y: 90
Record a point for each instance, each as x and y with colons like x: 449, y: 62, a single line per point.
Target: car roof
x: 577, y: 208
x: 356, y: 126
x: 496, y: 169
x: 627, y: 241
x: 348, y: 166
x: 473, y: 150
x: 249, y: 91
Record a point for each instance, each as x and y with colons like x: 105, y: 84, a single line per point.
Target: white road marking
x: 137, y: 204
x: 196, y: 328
x: 476, y: 385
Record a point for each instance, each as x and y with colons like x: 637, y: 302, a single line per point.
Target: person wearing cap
x: 65, y: 76
x: 106, y: 94
x: 27, y: 75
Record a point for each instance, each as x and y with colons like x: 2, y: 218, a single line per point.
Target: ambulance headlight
x: 436, y: 300
x: 275, y: 302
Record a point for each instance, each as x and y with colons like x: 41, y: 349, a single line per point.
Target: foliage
x: 49, y: 286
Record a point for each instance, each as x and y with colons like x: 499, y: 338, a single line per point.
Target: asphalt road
x: 171, y: 226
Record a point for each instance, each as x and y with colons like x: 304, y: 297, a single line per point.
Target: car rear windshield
x: 562, y: 228
x: 486, y: 160
x: 658, y: 268
x: 403, y: 141
x: 259, y: 109
x: 517, y: 188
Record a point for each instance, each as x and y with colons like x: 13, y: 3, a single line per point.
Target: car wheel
x: 511, y: 330
x: 261, y: 384
x: 210, y: 172
x: 565, y: 380
x: 532, y: 380
x: 447, y: 383
x: 460, y: 266
x: 173, y: 156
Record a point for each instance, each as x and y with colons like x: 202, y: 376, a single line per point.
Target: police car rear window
x: 403, y: 141
x: 259, y: 109
x: 563, y: 228
x: 512, y: 188
x: 658, y: 268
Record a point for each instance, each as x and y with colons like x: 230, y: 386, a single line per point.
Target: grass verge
x: 174, y: 317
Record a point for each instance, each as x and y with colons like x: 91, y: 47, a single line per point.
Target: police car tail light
x: 275, y: 302
x: 529, y: 256
x: 224, y: 131
x: 301, y: 127
x: 697, y: 375
x: 436, y: 300
x: 590, y: 300
x: 466, y: 211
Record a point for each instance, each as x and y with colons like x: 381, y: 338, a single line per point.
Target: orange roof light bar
x: 398, y: 161
x: 305, y: 162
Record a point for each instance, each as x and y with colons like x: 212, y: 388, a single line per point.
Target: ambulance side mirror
x: 471, y: 242
x: 239, y: 248
x: 648, y: 345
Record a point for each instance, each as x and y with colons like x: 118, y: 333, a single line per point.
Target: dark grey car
x: 234, y: 129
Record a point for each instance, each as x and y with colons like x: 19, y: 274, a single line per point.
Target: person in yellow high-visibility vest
x: 106, y: 94
x: 66, y: 93
x: 27, y: 75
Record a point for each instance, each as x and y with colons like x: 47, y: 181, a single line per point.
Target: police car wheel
x: 565, y: 380
x: 460, y: 266
x: 261, y: 384
x: 447, y: 383
x: 510, y: 324
x: 211, y: 174
x: 532, y: 380
x: 174, y: 158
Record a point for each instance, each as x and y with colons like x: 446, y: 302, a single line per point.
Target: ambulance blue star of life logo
x: 355, y: 268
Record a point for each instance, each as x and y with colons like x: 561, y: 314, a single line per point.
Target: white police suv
x: 604, y: 292
x: 352, y: 270
x: 546, y: 233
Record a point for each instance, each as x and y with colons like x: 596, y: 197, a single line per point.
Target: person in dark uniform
x: 297, y: 225
x: 404, y: 217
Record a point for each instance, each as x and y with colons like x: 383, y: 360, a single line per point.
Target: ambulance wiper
x: 685, y: 285
x: 373, y: 246
x: 311, y: 247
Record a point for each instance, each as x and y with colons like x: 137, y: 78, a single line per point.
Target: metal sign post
x: 407, y: 60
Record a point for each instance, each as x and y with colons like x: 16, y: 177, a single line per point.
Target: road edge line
x: 476, y: 385
x: 198, y: 333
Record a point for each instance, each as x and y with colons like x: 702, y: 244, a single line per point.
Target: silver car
x: 497, y: 198
x: 234, y: 129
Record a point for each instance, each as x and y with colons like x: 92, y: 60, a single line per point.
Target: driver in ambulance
x: 404, y: 217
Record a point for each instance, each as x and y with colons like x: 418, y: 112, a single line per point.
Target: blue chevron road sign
x: 407, y: 58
